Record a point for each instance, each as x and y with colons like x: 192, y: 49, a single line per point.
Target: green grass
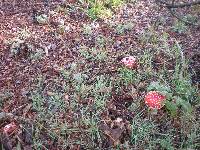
x: 122, y: 28
x: 141, y: 132
x: 86, y: 101
x: 179, y: 27
x: 102, y: 9
x: 69, y: 108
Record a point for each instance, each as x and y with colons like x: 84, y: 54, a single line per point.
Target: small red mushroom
x: 154, y: 100
x: 10, y: 127
x: 129, y: 62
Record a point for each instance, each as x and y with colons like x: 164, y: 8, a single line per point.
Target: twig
x: 179, y: 5
x: 5, y: 115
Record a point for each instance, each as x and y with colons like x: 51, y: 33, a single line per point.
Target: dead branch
x: 180, y: 5
x: 10, y: 116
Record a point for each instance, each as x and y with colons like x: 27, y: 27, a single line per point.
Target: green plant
x: 177, y: 86
x: 15, y: 46
x: 87, y: 29
x: 166, y: 143
x: 133, y: 107
x: 114, y: 3
x: 19, y: 42
x: 93, y: 54
x: 102, y: 9
x: 93, y: 128
x: 37, y: 55
x: 179, y: 27
x: 145, y: 60
x: 141, y: 132
x: 149, y: 36
x: 56, y: 103
x: 127, y: 76
x: 42, y: 19
x: 38, y: 101
x: 132, y: 1
x: 99, y: 54
x: 66, y: 74
x: 191, y: 142
x: 164, y: 89
x: 100, y: 41
x: 98, y: 10
x: 101, y: 92
x: 85, y: 53
x: 122, y: 28
x: 192, y: 19
x: 174, y: 100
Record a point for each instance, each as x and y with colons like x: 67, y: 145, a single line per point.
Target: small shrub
x: 127, y: 76
x: 102, y: 9
x: 122, y: 28
x: 179, y: 27
x: 42, y: 19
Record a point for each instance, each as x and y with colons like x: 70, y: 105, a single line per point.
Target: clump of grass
x: 122, y: 28
x: 17, y: 44
x: 166, y: 142
x: 93, y: 54
x: 101, y: 91
x: 141, y: 131
x: 102, y: 9
x: 42, y: 19
x: 87, y: 29
x: 127, y: 76
x: 179, y: 27
x: 37, y: 55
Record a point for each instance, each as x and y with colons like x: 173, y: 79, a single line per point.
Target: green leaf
x: 159, y: 87
x: 171, y: 107
x: 186, y: 106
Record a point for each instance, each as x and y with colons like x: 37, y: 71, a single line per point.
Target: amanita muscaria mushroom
x: 129, y: 62
x: 154, y: 100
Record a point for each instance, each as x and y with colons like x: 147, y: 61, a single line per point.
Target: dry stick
x: 179, y: 5
x: 4, y: 116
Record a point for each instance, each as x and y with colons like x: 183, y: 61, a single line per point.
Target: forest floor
x: 63, y: 84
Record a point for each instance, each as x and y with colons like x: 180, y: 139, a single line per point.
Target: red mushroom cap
x: 154, y: 100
